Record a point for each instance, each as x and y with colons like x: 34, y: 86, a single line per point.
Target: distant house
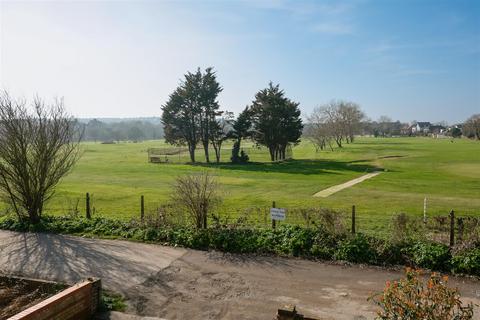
x: 437, y: 129
x: 407, y: 130
x: 421, y: 128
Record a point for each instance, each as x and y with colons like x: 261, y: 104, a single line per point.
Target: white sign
x: 277, y: 213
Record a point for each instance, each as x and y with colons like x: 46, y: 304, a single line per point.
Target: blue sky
x: 410, y: 60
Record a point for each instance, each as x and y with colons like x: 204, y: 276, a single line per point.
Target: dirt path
x: 175, y: 283
x: 339, y: 187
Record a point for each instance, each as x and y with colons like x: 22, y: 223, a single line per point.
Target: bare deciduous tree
x: 317, y: 131
x: 338, y: 121
x: 198, y: 194
x: 471, y: 127
x: 37, y: 149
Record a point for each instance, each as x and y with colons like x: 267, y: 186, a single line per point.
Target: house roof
x: 424, y: 124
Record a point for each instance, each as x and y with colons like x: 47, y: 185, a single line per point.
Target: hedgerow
x: 313, y: 243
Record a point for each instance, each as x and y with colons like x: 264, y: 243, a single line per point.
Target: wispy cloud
x: 328, y: 17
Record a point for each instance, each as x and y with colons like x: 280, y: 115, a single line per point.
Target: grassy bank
x: 447, y: 173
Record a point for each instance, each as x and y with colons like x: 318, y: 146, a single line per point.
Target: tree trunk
x: 217, y: 151
x: 191, y: 150
x: 207, y: 156
x: 272, y: 153
x: 283, y: 153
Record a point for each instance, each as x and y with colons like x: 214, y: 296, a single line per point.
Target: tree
x: 135, y: 134
x: 456, y: 132
x: 220, y: 131
x: 95, y: 130
x: 351, y: 118
x: 338, y: 121
x: 317, y: 130
x: 191, y: 110
x: 198, y: 194
x: 180, y: 121
x: 329, y: 120
x: 276, y: 121
x: 37, y: 149
x: 209, y: 89
x: 241, y: 129
x: 471, y: 127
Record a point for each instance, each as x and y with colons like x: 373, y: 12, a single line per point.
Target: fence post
x: 460, y: 229
x: 425, y: 210
x: 452, y: 228
x: 273, y: 220
x: 353, y: 219
x: 142, y: 207
x: 87, y: 206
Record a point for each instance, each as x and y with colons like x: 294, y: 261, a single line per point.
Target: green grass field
x: 447, y: 173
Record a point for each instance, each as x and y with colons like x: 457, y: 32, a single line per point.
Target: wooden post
x: 452, y: 228
x: 273, y: 221
x: 87, y: 206
x: 425, y: 210
x: 142, y: 207
x: 353, y: 219
x: 460, y: 229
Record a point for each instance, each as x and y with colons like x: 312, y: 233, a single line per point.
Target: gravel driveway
x: 176, y: 283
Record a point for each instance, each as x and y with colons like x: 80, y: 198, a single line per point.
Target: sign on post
x: 277, y: 213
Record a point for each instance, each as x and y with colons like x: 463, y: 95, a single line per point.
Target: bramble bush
x: 316, y: 242
x: 411, y: 298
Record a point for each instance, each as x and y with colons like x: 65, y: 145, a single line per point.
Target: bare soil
x: 18, y: 294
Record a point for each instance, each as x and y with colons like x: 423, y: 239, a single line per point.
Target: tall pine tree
x: 276, y: 121
x: 188, y: 114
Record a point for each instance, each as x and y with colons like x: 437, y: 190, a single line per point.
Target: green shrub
x: 467, y: 262
x: 392, y: 252
x: 356, y: 249
x: 434, y: 256
x: 325, y: 244
x: 110, y: 301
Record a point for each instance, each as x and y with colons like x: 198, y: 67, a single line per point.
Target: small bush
x: 411, y: 299
x: 434, y: 256
x: 110, y: 301
x: 467, y: 262
x: 356, y: 249
x: 197, y: 194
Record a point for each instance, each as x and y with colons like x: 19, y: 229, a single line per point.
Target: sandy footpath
x: 339, y: 187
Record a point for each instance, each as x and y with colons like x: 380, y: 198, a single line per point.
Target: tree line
x: 192, y: 117
x: 125, y: 130
x: 338, y: 122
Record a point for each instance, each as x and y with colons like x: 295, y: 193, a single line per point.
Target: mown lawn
x: 447, y: 173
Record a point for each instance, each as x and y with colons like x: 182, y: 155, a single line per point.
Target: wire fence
x: 340, y: 219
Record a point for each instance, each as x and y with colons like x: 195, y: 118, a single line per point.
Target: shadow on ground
x: 300, y: 166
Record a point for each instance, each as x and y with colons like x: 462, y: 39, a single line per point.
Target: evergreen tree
x: 180, y: 121
x: 189, y: 114
x: 276, y: 121
x: 241, y: 130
